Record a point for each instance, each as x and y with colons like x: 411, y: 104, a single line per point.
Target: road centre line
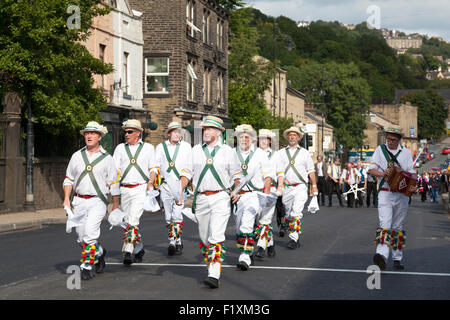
x: 290, y: 268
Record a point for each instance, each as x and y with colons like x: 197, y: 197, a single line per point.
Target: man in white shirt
x: 254, y: 163
x: 321, y: 177
x: 171, y: 156
x: 334, y: 177
x: 134, y: 158
x: 350, y: 176
x: 392, y: 206
x: 264, y: 228
x: 297, y: 164
x: 214, y: 167
x: 91, y: 175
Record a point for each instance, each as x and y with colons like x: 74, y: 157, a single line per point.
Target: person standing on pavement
x: 91, y: 174
x: 256, y: 164
x: 371, y: 190
x: 134, y: 159
x: 350, y: 176
x: 171, y: 157
x: 214, y: 167
x: 298, y: 166
x: 334, y: 177
x: 392, y: 205
x: 423, y: 186
x: 321, y: 178
x: 362, y: 184
x: 264, y: 228
x: 434, y: 184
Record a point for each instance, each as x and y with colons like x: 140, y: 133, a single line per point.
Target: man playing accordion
x: 395, y: 187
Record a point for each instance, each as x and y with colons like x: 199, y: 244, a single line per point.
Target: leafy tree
x: 45, y: 59
x: 231, y: 4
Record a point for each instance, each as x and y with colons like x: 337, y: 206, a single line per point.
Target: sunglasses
x: 393, y: 140
x: 129, y: 132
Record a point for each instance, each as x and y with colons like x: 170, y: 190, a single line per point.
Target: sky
x: 431, y: 17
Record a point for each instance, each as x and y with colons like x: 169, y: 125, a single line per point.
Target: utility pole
x: 274, y: 59
x: 29, y: 196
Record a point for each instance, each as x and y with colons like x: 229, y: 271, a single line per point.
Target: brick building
x: 185, y: 61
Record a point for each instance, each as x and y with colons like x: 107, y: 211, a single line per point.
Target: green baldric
x: 88, y: 171
x: 244, y: 166
x: 208, y: 166
x: 389, y: 162
x: 133, y: 162
x: 291, y: 165
x: 172, y: 161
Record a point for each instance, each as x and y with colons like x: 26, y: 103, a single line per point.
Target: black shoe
x: 171, y: 250
x: 271, y: 251
x: 138, y: 256
x: 243, y: 265
x: 398, y: 265
x: 100, y: 266
x: 293, y: 244
x: 178, y: 249
x: 380, y: 261
x: 127, y: 259
x: 87, y: 274
x: 213, y: 283
x: 260, y: 253
x: 282, y: 232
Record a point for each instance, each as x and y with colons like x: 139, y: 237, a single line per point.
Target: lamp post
x: 29, y: 196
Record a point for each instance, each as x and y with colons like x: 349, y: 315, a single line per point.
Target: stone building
x: 185, y: 74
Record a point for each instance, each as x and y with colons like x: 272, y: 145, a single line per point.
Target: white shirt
x: 274, y: 161
x: 303, y: 163
x: 259, y: 164
x: 105, y: 174
x: 145, y: 160
x: 379, y: 161
x: 319, y: 170
x: 226, y: 163
x: 351, y: 176
x: 182, y: 161
x: 334, y: 171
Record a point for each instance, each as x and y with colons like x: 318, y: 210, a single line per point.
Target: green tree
x: 41, y: 53
x: 431, y: 114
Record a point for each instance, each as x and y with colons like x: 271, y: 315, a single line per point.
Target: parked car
x: 446, y: 150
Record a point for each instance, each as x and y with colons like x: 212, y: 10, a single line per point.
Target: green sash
x: 172, y: 161
x: 208, y: 166
x: 244, y: 166
x: 88, y: 170
x: 133, y: 162
x: 389, y: 160
x: 291, y: 165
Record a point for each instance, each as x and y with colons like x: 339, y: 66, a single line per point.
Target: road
x: 336, y: 249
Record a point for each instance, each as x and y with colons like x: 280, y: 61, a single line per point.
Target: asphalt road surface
x: 331, y: 263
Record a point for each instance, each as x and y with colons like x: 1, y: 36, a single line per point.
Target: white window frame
x: 220, y: 89
x: 190, y: 18
x: 206, y: 22
x: 220, y: 35
x: 207, y: 86
x: 157, y: 74
x: 191, y: 78
x: 126, y: 72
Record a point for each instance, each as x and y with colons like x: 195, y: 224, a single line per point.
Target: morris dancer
x: 254, y: 162
x: 298, y: 166
x: 350, y: 177
x: 214, y: 166
x: 134, y: 159
x: 92, y: 175
x: 392, y: 206
x: 264, y: 229
x: 171, y: 157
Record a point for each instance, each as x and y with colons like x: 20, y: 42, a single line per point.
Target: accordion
x: 401, y: 181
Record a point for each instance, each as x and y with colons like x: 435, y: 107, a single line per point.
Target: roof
x: 295, y: 92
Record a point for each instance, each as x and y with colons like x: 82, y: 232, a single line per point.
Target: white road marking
x: 289, y: 268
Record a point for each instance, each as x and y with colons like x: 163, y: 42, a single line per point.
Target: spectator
x: 423, y: 186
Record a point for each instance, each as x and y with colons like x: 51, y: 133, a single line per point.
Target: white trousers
x: 172, y: 212
x: 294, y: 199
x: 93, y: 211
x: 265, y: 218
x: 132, y: 203
x: 245, y: 215
x: 392, y: 210
x: 212, y: 213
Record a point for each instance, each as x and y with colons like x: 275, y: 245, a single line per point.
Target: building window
x: 205, y: 30
x: 101, y: 56
x: 220, y: 35
x: 157, y: 75
x: 207, y: 86
x: 191, y: 77
x: 191, y: 29
x: 220, y: 90
x: 125, y: 73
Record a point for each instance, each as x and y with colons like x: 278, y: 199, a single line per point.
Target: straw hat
x: 245, y: 128
x: 173, y: 125
x: 394, y: 131
x: 132, y: 124
x: 213, y: 122
x: 292, y: 129
x: 93, y: 126
x: 266, y: 133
